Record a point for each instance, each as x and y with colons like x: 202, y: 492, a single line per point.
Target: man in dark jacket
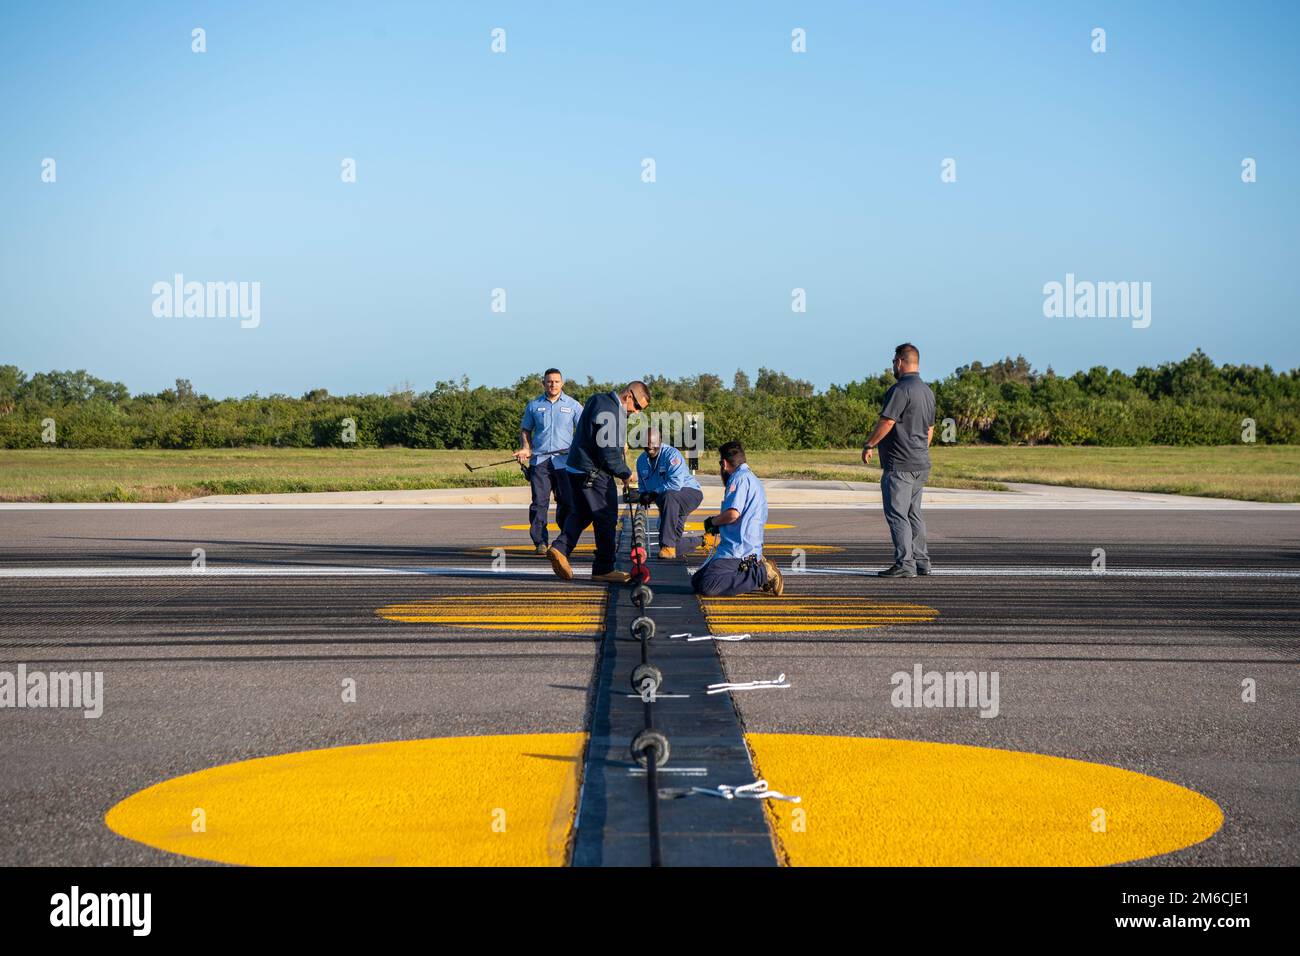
x: 597, y: 456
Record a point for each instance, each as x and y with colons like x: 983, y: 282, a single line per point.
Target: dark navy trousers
x: 722, y: 577
x: 673, y: 507
x: 596, y: 505
x: 544, y: 479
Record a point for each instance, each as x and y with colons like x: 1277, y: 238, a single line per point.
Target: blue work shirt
x: 744, y: 536
x: 668, y: 471
x: 551, y: 427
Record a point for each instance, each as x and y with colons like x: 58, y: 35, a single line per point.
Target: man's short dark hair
x: 909, y: 353
x: 641, y: 391
x: 552, y: 371
x: 733, y: 453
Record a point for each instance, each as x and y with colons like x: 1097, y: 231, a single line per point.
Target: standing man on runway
x: 597, y: 457
x: 544, y: 436
x: 737, y: 565
x: 664, y: 480
x: 903, y: 435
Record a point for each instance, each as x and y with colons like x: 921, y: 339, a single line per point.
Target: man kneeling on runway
x: 737, y: 565
x: 664, y: 480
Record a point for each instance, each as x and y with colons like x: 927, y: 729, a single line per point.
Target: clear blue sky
x: 522, y: 171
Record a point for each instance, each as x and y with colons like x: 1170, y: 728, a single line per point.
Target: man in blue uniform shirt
x: 664, y: 480
x: 544, y: 436
x: 738, y: 565
x: 597, y: 459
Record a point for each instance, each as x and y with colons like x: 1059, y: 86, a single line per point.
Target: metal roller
x: 650, y: 740
x: 647, y: 674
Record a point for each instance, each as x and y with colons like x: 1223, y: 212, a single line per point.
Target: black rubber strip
x: 652, y: 788
x: 704, y: 734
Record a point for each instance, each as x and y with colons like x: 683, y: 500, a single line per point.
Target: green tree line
x: 1189, y: 402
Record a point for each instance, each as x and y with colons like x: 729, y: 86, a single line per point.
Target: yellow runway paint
x: 699, y: 526
x: 762, y: 613
x: 871, y: 802
x: 574, y: 611
x: 528, y: 549
x: 457, y: 801
x: 690, y: 526
x: 784, y: 550
x: 787, y: 549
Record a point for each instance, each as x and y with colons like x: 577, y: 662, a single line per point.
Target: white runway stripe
x: 237, y: 506
x: 268, y: 571
x: 1038, y: 571
x: 323, y: 570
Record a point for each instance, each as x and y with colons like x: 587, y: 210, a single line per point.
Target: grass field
x: 1250, y: 472
x: 1254, y: 472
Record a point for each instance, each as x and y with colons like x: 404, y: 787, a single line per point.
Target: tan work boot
x: 667, y: 553
x: 560, y: 564
x: 775, y: 583
x: 708, y: 542
x: 614, y: 577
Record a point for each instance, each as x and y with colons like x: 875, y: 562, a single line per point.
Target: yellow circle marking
x: 456, y: 801
x: 699, y: 526
x: 761, y: 613
x: 872, y: 802
x: 576, y: 611
x: 528, y: 549
x: 690, y: 526
x: 778, y: 549
x: 788, y: 549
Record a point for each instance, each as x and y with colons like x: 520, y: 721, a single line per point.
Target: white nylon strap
x: 758, y: 790
x: 778, y: 684
x: 710, y: 637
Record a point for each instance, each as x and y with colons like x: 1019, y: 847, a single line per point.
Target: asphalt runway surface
x: 1139, y: 666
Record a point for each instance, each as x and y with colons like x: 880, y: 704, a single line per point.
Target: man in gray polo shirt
x: 903, y: 436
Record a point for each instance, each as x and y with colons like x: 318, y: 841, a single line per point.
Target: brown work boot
x: 560, y: 564
x: 775, y: 583
x: 708, y: 542
x: 667, y: 553
x: 614, y: 577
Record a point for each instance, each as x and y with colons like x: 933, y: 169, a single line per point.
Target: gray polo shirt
x: 910, y: 403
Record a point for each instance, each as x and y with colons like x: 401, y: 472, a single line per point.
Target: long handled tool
x: 508, y: 461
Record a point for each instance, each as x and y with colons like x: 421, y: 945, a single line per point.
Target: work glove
x: 647, y: 498
x: 709, y: 527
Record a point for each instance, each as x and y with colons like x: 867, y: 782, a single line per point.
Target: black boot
x: 896, y: 571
